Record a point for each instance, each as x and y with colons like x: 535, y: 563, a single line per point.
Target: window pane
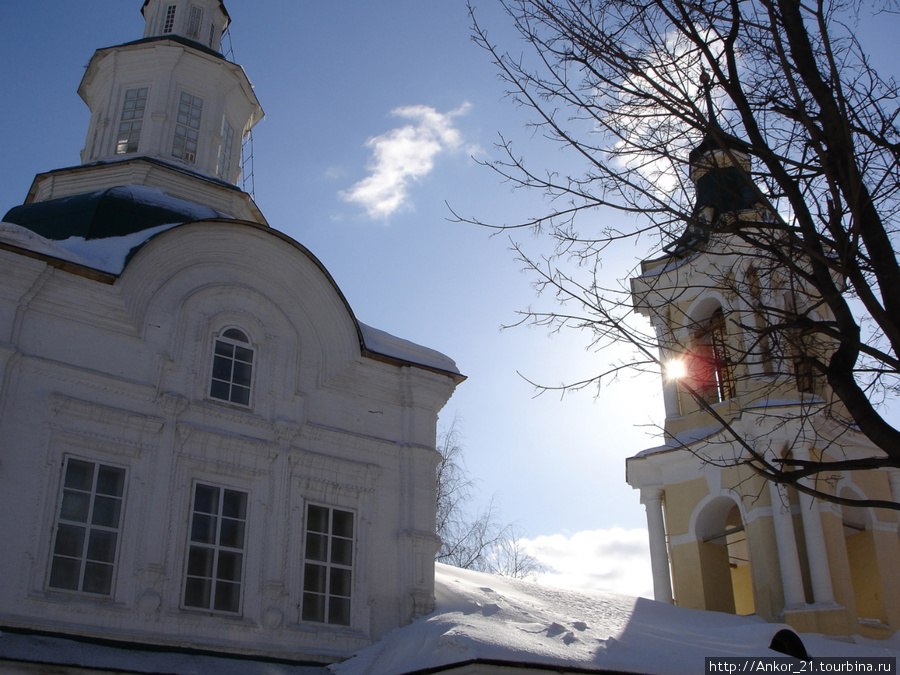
x: 340, y: 582
x: 342, y: 524
x: 106, y: 511
x: 316, y: 546
x: 203, y: 529
x: 228, y: 596
x: 314, y: 578
x: 240, y: 395
x: 206, y: 499
x: 339, y: 611
x: 235, y: 334
x: 317, y: 519
x: 234, y: 504
x: 75, y: 506
x: 197, y: 593
x: 243, y: 354
x: 64, y: 573
x: 224, y: 349
x: 313, y: 607
x: 110, y: 481
x: 200, y: 562
x: 97, y: 578
x: 79, y: 475
x: 241, y: 374
x: 69, y: 540
x: 231, y: 533
x: 219, y: 390
x: 222, y: 368
x: 229, y: 567
x: 102, y: 546
x: 342, y: 551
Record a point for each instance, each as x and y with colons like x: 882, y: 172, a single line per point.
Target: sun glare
x: 675, y: 369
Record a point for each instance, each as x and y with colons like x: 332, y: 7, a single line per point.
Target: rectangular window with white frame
x: 216, y: 547
x: 328, y: 565
x: 131, y: 120
x: 87, y: 528
x: 169, y: 21
x: 187, y: 127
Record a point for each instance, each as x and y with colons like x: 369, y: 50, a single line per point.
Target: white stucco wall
x: 118, y: 373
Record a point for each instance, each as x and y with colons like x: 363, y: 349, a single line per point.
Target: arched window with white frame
x: 232, y: 367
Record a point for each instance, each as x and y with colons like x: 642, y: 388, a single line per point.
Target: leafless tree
x: 627, y: 89
x: 473, y: 541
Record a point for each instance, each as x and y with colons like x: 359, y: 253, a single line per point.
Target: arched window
x: 710, y: 368
x: 232, y: 368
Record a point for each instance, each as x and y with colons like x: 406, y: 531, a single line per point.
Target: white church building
x: 201, y: 448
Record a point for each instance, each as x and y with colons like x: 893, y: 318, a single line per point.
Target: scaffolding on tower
x: 248, y: 182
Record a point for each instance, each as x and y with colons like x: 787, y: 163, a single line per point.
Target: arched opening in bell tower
x: 724, y: 555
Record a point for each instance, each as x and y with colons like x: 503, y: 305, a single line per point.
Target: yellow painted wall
x: 865, y: 576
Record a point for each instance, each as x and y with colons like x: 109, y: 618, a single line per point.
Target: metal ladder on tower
x: 248, y: 182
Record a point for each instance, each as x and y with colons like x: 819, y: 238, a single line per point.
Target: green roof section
x: 113, y: 212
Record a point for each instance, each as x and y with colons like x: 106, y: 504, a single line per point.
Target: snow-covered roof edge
x: 381, y: 342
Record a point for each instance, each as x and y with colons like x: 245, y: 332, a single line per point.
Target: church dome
x: 113, y: 212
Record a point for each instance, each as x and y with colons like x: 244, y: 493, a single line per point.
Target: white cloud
x: 404, y: 155
x: 616, y: 560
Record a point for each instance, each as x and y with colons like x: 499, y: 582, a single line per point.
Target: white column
x: 786, y: 542
x: 651, y: 498
x: 816, y: 552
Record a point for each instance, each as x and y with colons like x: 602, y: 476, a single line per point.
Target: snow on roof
x: 389, y: 345
x: 682, y: 440
x: 107, y: 255
x: 491, y: 619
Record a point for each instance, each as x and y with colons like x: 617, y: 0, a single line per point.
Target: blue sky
x: 374, y: 111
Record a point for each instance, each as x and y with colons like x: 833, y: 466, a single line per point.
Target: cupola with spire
x: 719, y: 167
x: 168, y: 112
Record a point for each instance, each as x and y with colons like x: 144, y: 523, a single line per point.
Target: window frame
x: 217, y: 358
x: 168, y: 26
x: 195, y: 22
x: 217, y: 548
x: 131, y: 138
x: 88, y: 525
x: 326, y: 595
x: 188, y: 122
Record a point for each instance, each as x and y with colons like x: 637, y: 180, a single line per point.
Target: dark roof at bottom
x: 76, y: 652
x: 113, y: 212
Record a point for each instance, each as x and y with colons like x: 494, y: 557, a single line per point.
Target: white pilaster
x: 786, y: 542
x: 817, y: 554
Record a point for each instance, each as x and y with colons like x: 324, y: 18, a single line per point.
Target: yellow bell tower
x: 722, y: 537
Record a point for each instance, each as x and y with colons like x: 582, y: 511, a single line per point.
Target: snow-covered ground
x: 481, y: 617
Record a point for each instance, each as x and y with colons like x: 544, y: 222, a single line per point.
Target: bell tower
x: 722, y: 537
